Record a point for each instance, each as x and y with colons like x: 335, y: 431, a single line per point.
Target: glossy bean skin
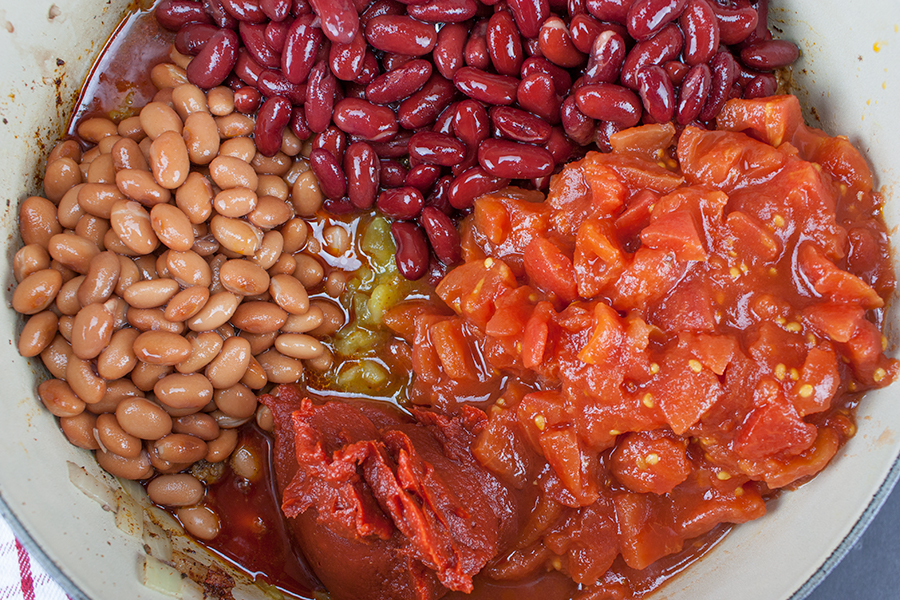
x: 273, y: 117
x: 693, y: 93
x: 399, y: 83
x: 663, y: 46
x: 770, y: 55
x: 175, y: 14
x: 657, y: 93
x: 37, y: 333
x: 609, y: 102
x: 448, y: 50
x: 361, y: 167
x: 331, y: 177
x: 504, y: 44
x: 401, y: 202
x: 340, y: 20
x: 555, y: 42
x: 181, y: 489
x: 420, y: 110
x: 347, y: 60
x: 272, y: 83
x: 436, y: 148
x: 701, y: 32
x: 215, y: 60
x: 37, y: 291
x: 486, y: 87
x: 519, y: 125
x: 647, y: 17
x: 724, y: 73
x: 606, y: 58
x: 300, y: 47
x: 471, y: 123
x: 365, y: 120
x: 529, y: 15
x: 401, y: 34
x: 412, y: 249
x: 319, y: 97
x: 512, y: 160
x: 442, y: 235
x: 735, y: 24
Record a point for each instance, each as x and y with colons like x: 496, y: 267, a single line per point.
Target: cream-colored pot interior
x: 848, y: 78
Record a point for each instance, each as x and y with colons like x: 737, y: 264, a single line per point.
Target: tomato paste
x: 681, y: 328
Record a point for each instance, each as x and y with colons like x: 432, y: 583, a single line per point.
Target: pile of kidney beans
x: 420, y: 106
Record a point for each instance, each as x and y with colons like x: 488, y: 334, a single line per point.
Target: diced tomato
x: 818, y: 382
x: 843, y: 160
x: 492, y: 220
x: 838, y: 322
x: 774, y: 426
x: 513, y: 310
x: 550, y: 269
x: 651, y: 274
x: 685, y: 389
x: 606, y: 337
x: 675, y: 232
x: 752, y: 242
x: 401, y: 319
x: 598, y: 258
x: 501, y: 448
x: 645, y: 534
x: 535, y: 339
x: 772, y: 120
x: 689, y: 307
x: 650, y: 461
x: 575, y: 470
x: 725, y: 160
x: 472, y: 288
x: 650, y: 141
x: 453, y: 349
x: 639, y: 173
x: 588, y: 541
x: 830, y: 281
x: 636, y: 214
x: 698, y: 510
x: 713, y: 351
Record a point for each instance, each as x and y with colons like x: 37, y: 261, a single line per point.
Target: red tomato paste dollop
x: 674, y: 333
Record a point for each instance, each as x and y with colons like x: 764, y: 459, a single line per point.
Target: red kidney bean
x: 392, y: 174
x: 609, y: 102
x: 575, y: 8
x: 436, y: 149
x: 609, y: 10
x: 333, y: 140
x: 560, y: 146
x: 276, y: 33
x: 512, y: 160
x: 701, y: 32
x: 365, y: 120
x: 221, y: 17
x: 735, y: 24
x: 412, y: 249
x: 399, y: 83
x: 401, y: 203
x: 370, y: 70
x: 300, y: 48
x: 378, y: 8
x: 328, y: 171
x: 657, y: 93
x: 442, y: 235
x: 556, y: 44
x: 604, y: 130
x: 770, y: 55
x: 254, y: 38
x: 214, y: 62
x: 576, y: 124
x: 562, y: 81
x: 693, y: 93
x: 676, y: 71
x: 320, y: 94
x: 422, y: 177
x: 439, y: 197
x: 298, y: 123
x: 400, y: 34
x: 394, y: 148
x: 444, y: 122
x: 273, y: 83
x: 647, y: 17
x: 175, y: 14
x: 342, y: 206
x: 761, y: 32
x: 247, y: 100
x: 471, y: 123
x: 423, y: 107
x: 537, y: 94
x: 529, y: 15
x: 519, y: 125
x: 191, y: 38
x: 606, y: 58
x: 476, y: 52
x: 504, y: 44
x: 585, y: 29
x: 486, y: 87
x: 362, y: 169
x: 724, y: 74
x: 276, y: 10
x: 273, y: 117
x: 392, y: 60
x: 448, y: 50
x: 444, y: 11
x: 346, y: 60
x: 245, y: 10
x: 468, y: 162
x: 472, y: 184
x: 247, y: 70
x: 340, y: 19
x: 760, y: 86
x: 664, y: 46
